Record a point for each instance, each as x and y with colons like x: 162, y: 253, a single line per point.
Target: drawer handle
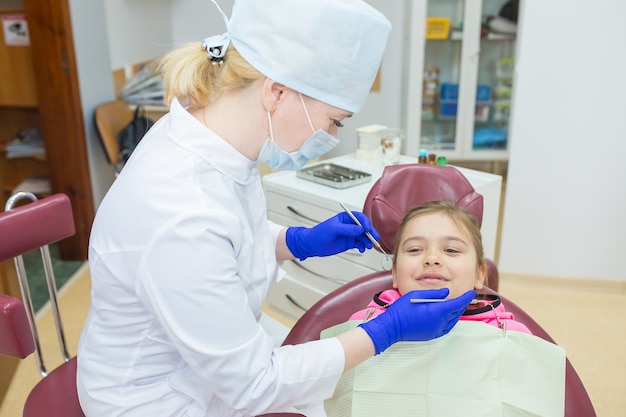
x: 297, y: 213
x: 294, y: 302
x: 335, y: 280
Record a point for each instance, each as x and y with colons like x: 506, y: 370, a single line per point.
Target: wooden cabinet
x: 14, y: 171
x: 40, y: 89
x: 18, y: 88
x: 18, y: 107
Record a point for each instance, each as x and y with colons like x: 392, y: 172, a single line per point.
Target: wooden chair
x: 111, y: 117
x: 23, y: 229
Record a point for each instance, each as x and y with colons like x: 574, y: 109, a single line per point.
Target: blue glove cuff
x: 292, y: 238
x: 373, y: 329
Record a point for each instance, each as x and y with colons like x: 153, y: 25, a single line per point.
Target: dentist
x: 181, y: 252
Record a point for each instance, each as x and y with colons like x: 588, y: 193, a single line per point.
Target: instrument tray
x: 333, y: 175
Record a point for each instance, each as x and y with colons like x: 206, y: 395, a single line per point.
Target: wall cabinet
x: 50, y: 69
x: 14, y: 171
x: 18, y: 107
x: 294, y: 201
x: 18, y: 88
x: 459, y: 79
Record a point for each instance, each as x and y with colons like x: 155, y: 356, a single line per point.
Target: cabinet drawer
x: 297, y: 212
x: 333, y: 269
x: 291, y: 297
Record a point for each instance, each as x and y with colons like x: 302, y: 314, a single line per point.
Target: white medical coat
x: 181, y: 256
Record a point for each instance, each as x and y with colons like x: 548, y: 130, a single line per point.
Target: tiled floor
x: 588, y: 322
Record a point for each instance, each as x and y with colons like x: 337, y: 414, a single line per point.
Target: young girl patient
x: 439, y: 245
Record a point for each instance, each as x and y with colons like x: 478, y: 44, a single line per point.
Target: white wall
x: 109, y: 34
x: 95, y: 83
x: 566, y: 192
x: 138, y: 30
x: 194, y: 20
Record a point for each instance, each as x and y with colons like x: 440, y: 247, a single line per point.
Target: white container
x: 369, y: 142
x: 391, y: 145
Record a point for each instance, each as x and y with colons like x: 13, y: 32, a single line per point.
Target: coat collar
x: 187, y: 132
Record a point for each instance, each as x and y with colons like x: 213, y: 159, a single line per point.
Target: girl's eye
x: 338, y: 123
x: 452, y: 250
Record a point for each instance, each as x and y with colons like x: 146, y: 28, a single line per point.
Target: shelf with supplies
x: 22, y: 162
x: 293, y: 200
x: 25, y: 173
x: 460, y: 78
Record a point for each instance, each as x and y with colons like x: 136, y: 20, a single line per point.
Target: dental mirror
x: 386, y: 263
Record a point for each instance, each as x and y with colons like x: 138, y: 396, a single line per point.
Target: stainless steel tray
x: 334, y: 175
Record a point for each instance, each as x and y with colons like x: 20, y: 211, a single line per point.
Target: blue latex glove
x: 332, y: 236
x: 412, y: 322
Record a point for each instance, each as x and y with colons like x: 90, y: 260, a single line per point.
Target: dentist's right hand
x: 411, y: 322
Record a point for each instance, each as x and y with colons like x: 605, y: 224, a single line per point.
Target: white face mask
x: 318, y: 144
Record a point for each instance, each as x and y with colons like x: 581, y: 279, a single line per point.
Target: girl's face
x: 435, y: 253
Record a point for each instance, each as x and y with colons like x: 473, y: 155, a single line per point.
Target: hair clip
x: 216, y: 47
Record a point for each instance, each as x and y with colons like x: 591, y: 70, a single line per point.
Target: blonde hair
x: 188, y: 73
x: 461, y: 218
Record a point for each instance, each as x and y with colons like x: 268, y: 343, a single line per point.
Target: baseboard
x: 277, y: 316
x: 593, y: 285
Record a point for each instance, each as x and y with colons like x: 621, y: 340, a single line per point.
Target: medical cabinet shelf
x: 468, y: 126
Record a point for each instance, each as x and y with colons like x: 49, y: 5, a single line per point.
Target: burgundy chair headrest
x: 404, y: 186
x: 35, y: 224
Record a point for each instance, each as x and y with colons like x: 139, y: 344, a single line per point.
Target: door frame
x: 61, y: 117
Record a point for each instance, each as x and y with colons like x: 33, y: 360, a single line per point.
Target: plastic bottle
x: 422, y: 156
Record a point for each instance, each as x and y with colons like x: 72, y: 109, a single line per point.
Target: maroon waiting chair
x: 25, y: 228
x: 402, y: 187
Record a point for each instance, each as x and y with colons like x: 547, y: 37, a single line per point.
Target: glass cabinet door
x: 441, y: 75
x: 461, y: 68
x: 495, y: 76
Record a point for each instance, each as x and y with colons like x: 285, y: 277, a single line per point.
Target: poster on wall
x: 15, y: 29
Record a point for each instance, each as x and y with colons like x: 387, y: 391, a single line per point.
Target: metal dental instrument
x: 435, y: 300
x: 386, y: 262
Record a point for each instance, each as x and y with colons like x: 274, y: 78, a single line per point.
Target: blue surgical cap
x: 326, y: 49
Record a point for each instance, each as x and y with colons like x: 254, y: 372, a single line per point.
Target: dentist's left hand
x: 335, y: 235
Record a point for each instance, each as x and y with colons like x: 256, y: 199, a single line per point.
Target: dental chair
x: 400, y: 188
x: 25, y: 228
x: 337, y: 307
